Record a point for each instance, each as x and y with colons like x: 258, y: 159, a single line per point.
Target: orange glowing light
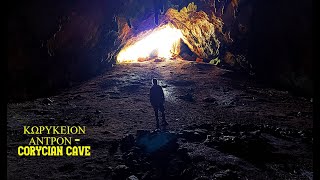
x: 163, y: 40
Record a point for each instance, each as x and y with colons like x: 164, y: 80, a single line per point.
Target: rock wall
x: 281, y: 43
x: 54, y: 44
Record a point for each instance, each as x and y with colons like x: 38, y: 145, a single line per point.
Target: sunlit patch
x: 161, y: 43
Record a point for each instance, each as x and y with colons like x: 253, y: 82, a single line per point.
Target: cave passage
x: 237, y: 82
x: 194, y: 28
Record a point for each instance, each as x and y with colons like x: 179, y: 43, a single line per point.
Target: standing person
x: 157, y: 101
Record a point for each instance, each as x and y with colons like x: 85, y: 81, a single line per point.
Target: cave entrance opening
x: 162, y: 43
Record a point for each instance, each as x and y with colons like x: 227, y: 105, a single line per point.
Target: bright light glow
x: 163, y: 41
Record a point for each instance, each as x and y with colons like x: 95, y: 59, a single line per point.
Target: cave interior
x: 237, y: 77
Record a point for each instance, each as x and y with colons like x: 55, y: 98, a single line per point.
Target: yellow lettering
x: 32, y: 151
x: 20, y: 148
x: 48, y: 129
x: 68, y: 149
x: 35, y: 128
x: 82, y: 130
x: 39, y: 141
x: 44, y: 153
x: 63, y: 130
x: 41, y: 129
x: 25, y: 130
x: 32, y: 142
x: 88, y: 153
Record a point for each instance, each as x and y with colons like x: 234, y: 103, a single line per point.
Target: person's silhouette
x: 157, y: 101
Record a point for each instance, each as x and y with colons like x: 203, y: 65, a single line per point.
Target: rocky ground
x: 222, y: 125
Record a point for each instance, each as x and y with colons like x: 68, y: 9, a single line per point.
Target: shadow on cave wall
x: 280, y: 43
x: 55, y: 44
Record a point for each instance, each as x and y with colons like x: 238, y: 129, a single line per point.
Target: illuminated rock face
x: 195, y: 29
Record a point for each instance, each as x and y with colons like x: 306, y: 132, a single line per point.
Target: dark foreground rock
x: 223, y: 151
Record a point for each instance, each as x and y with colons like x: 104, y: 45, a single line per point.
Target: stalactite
x: 129, y: 22
x: 235, y: 4
x: 161, y: 6
x: 158, y: 9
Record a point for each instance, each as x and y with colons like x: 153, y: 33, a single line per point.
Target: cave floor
x: 200, y: 99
